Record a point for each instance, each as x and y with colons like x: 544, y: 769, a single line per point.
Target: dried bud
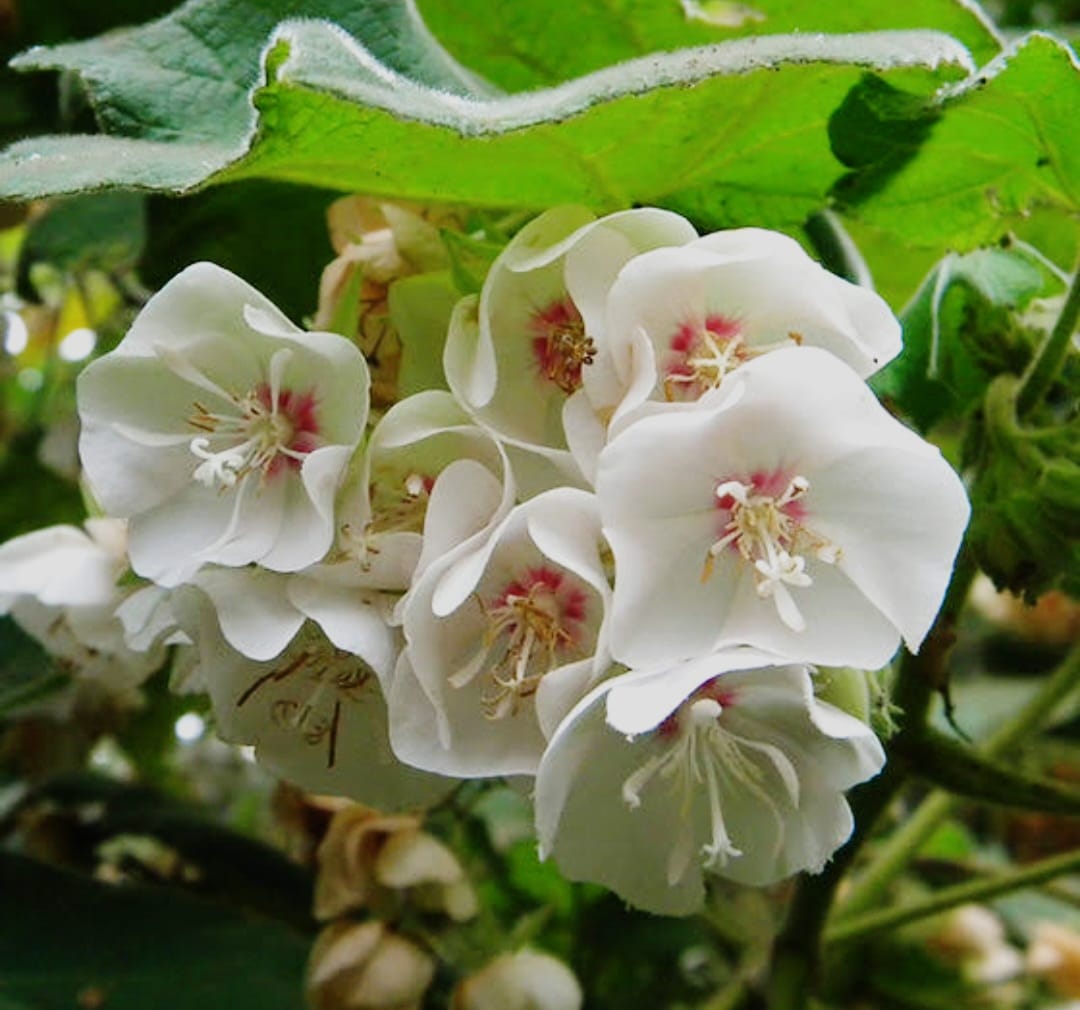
x: 527, y: 980
x: 974, y: 937
x: 367, y: 856
x: 377, y: 244
x: 364, y: 966
x: 1054, y: 954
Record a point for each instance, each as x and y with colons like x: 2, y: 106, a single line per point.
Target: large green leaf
x: 542, y: 42
x: 331, y: 115
x: 189, y: 74
x: 69, y: 941
x: 1001, y: 144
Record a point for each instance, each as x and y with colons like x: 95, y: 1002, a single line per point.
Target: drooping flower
x: 377, y: 243
x: 517, y: 355
x: 787, y: 510
x: 221, y: 430
x: 502, y: 641
x: 315, y: 713
x: 681, y: 319
x: 61, y: 585
x: 723, y: 765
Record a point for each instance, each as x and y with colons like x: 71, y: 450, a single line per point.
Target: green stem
x: 797, y: 948
x: 904, y: 844
x: 1039, y: 376
x: 971, y: 891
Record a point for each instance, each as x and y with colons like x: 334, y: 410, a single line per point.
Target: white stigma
x: 773, y: 541
x: 705, y: 759
x: 257, y: 432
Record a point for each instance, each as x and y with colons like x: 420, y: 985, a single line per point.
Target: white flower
x: 65, y: 566
x: 680, y: 320
x: 724, y: 765
x: 502, y: 642
x: 60, y: 585
x: 787, y: 510
x: 314, y: 713
x: 386, y: 504
x: 516, y: 356
x: 221, y: 430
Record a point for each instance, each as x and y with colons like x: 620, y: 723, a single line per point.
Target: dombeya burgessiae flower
x: 726, y: 764
x: 220, y: 429
x: 787, y: 510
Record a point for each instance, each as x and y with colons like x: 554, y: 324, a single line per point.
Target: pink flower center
x: 269, y: 430
x: 533, y: 624
x: 560, y: 345
x: 711, y: 690
x: 762, y: 520
x: 701, y: 354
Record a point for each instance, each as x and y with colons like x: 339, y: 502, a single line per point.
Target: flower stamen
x: 270, y: 427
x: 560, y: 344
x: 705, y: 352
x: 532, y: 624
x: 765, y: 527
x: 700, y: 756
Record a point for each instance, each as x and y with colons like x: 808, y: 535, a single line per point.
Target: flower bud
x: 364, y: 966
x: 377, y: 244
x: 527, y: 980
x: 1054, y: 954
x: 974, y: 937
x: 366, y: 856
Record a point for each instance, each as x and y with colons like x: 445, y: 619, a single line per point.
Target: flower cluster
x: 657, y: 490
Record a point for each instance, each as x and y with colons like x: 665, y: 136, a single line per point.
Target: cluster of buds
x: 657, y: 490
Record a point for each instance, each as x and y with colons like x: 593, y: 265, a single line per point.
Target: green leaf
x: 189, y: 74
x: 526, y: 45
x: 1005, y: 142
x: 878, y: 128
x: 959, y: 332
x: 31, y: 105
x: 470, y: 260
x: 332, y: 116
x: 137, y: 947
x: 27, y: 673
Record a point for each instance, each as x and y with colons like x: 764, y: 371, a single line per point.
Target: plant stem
x: 797, y: 948
x: 1055, y: 689
x: 1039, y: 376
x: 962, y: 894
x: 904, y: 844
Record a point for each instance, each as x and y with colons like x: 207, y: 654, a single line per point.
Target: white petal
x: 899, y: 518
x: 253, y: 608
x: 584, y: 824
x: 60, y: 565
